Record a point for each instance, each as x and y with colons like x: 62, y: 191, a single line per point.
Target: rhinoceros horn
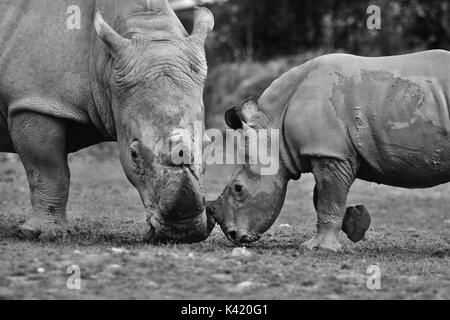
x: 113, y: 41
x: 163, y: 8
x: 203, y: 24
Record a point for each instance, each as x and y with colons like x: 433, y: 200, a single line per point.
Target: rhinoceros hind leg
x: 40, y: 142
x: 333, y: 181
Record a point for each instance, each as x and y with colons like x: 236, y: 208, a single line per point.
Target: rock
x: 351, y: 277
x: 222, y: 277
x: 243, y: 287
x: 118, y: 250
x: 152, y: 284
x: 241, y: 252
x: 441, y: 253
x: 40, y: 270
x: 346, y: 266
x: 114, y: 266
x: 285, y: 225
x: 413, y: 279
x: 191, y: 255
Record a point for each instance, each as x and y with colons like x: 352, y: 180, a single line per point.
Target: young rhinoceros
x: 137, y: 80
x: 342, y: 117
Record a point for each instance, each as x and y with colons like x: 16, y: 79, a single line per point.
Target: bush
x: 229, y: 84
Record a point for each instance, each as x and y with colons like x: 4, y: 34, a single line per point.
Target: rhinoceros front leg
x: 356, y: 220
x: 333, y: 181
x: 40, y: 142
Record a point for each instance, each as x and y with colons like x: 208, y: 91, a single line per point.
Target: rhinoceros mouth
x: 240, y: 237
x: 188, y: 231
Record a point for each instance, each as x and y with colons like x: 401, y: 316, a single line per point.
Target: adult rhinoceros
x: 342, y: 117
x: 137, y: 80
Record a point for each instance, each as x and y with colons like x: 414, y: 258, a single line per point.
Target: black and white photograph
x: 246, y: 151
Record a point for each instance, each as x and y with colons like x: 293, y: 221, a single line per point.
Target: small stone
x: 285, y: 225
x: 351, y: 277
x: 441, y: 253
x: 244, y: 287
x: 118, y: 250
x: 413, y: 279
x: 346, y: 266
x: 114, y: 266
x: 191, y: 255
x: 222, y: 277
x: 40, y: 270
x: 77, y: 252
x: 153, y: 284
x: 241, y: 252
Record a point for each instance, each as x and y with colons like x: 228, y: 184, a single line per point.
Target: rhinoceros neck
x: 274, y: 102
x: 100, y: 73
x: 289, y: 167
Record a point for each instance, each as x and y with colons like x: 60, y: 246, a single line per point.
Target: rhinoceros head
x: 155, y: 74
x: 251, y: 201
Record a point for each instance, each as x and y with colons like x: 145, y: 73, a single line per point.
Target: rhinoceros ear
x: 113, y: 41
x: 233, y: 118
x: 203, y: 24
x: 248, y: 109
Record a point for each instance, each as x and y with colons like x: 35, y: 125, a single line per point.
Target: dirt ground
x: 409, y: 241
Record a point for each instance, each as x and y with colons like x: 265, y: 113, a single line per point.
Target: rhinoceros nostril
x: 232, y: 235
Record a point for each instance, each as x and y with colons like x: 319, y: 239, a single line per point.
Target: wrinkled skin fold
x: 159, y: 106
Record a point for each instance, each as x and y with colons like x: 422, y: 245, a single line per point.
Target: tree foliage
x: 261, y: 29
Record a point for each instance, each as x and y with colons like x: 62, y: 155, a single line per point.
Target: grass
x: 408, y: 240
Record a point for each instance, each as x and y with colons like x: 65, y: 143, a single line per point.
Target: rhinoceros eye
x: 238, y: 188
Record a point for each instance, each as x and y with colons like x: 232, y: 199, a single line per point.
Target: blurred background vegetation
x: 263, y: 29
x: 255, y: 41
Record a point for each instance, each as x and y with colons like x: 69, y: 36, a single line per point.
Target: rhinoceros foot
x: 325, y: 240
x: 44, y: 228
x: 356, y: 222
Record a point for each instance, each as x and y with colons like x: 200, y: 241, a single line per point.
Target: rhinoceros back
x: 392, y: 112
x: 43, y: 61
